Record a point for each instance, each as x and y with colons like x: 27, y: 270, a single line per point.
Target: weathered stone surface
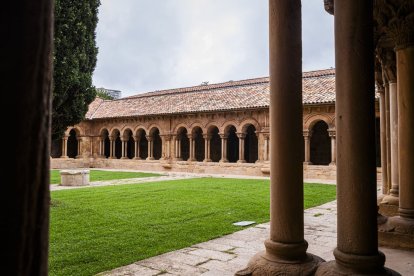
x: 74, y: 177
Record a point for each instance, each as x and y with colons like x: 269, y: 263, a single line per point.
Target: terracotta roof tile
x: 318, y: 87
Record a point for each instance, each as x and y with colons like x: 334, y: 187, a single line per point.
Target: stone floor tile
x: 214, y: 246
x: 172, y: 267
x: 212, y: 254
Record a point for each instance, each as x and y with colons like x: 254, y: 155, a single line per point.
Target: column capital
x: 386, y: 57
x: 166, y: 137
x: 332, y: 132
x: 223, y: 135
x: 207, y: 136
x: 241, y: 135
x: 266, y: 136
x: 307, y: 133
x: 137, y: 137
x: 149, y: 138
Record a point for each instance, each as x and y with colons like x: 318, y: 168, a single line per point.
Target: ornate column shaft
x: 241, y: 137
x: 286, y: 248
x: 388, y: 134
x: 137, y: 139
x: 383, y: 142
x: 332, y: 134
x: 124, y: 148
x: 191, y: 148
x: 207, y: 140
x: 357, y: 243
x: 306, y: 135
x: 150, y: 147
x: 394, y: 139
x: 223, y: 148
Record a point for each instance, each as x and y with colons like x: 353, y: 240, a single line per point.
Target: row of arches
x: 212, y: 146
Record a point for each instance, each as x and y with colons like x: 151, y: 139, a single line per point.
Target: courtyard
x: 95, y: 229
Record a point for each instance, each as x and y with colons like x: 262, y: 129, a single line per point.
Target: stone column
x: 307, y: 135
x: 177, y: 148
x: 357, y: 243
x: 124, y: 148
x: 241, y: 137
x: 150, y: 147
x: 383, y: 134
x: 65, y: 147
x: 405, y: 80
x: 192, y: 148
x: 112, y: 147
x: 332, y: 134
x: 168, y: 146
x: 100, y: 154
x: 79, y: 147
x: 223, y: 148
x: 394, y: 139
x: 207, y: 140
x: 286, y: 248
x: 137, y: 139
x: 266, y: 147
x: 388, y: 134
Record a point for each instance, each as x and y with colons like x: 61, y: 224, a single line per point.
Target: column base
x: 241, y: 161
x: 207, y: 160
x: 397, y: 232
x: 350, y: 264
x: 64, y: 157
x: 332, y: 164
x: 137, y: 158
x: 263, y: 264
x: 389, y: 205
x: 224, y: 161
x: 307, y: 163
x: 150, y: 158
x: 124, y: 157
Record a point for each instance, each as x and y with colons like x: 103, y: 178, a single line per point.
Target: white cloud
x: 147, y: 45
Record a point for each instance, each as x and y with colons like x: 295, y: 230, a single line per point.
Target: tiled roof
x: 318, y: 87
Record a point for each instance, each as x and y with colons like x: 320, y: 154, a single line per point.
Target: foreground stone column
x: 241, y: 137
x: 307, y: 135
x: 223, y: 148
x: 286, y: 248
x: 64, y: 147
x: 332, y: 134
x: 207, y: 140
x: 357, y: 244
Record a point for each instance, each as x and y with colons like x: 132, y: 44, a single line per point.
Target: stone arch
x: 227, y: 125
x: 230, y: 132
x: 126, y: 128
x: 199, y: 144
x: 320, y: 143
x: 210, y: 126
x: 246, y: 123
x: 180, y: 126
x: 72, y: 146
x: 138, y: 128
x: 79, y: 131
x: 115, y: 134
x: 106, y: 143
x: 315, y: 118
x: 183, y: 143
x: 128, y: 138
x: 251, y: 143
x: 154, y: 127
x: 196, y: 125
x: 154, y: 133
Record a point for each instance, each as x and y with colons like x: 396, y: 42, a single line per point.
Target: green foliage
x: 103, y: 95
x: 97, y: 229
x: 96, y: 175
x: 74, y: 62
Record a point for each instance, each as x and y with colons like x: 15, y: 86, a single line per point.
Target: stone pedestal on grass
x: 74, y: 177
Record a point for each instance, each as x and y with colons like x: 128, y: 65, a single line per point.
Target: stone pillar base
x: 350, y: 264
x: 263, y: 264
x: 397, y: 232
x: 389, y: 206
x: 150, y: 158
x: 307, y: 163
x: 224, y: 161
x: 332, y: 268
x: 207, y: 160
x: 124, y: 157
x: 241, y: 161
x: 137, y: 158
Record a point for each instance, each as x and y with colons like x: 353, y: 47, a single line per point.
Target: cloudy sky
x: 147, y: 45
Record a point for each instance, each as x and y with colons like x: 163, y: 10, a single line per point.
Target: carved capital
x: 307, y: 133
x: 387, y: 58
x: 241, y: 135
x: 207, y: 136
x: 332, y: 133
x: 266, y: 136
x: 149, y: 138
x: 223, y: 135
x: 329, y: 6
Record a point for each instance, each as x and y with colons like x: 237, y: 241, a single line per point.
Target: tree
x: 74, y: 62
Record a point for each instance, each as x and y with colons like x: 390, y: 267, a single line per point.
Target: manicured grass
x: 96, y: 175
x: 97, y: 229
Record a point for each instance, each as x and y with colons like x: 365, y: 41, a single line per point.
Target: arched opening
x: 215, y: 144
x: 199, y: 144
x: 251, y: 152
x: 232, y: 144
x: 184, y: 142
x: 130, y: 143
x: 116, y: 136
x: 142, y: 144
x: 320, y: 144
x: 72, y: 144
x: 106, y: 143
x: 157, y: 146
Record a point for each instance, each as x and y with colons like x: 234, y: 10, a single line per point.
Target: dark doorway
x: 232, y: 145
x: 199, y: 144
x: 215, y: 145
x: 251, y: 145
x: 72, y: 144
x: 157, y: 147
x: 320, y: 144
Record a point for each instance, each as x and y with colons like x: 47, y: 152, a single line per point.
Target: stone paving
x: 228, y: 254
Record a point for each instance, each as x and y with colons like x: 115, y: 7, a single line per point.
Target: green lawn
x: 96, y: 175
x: 97, y: 229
